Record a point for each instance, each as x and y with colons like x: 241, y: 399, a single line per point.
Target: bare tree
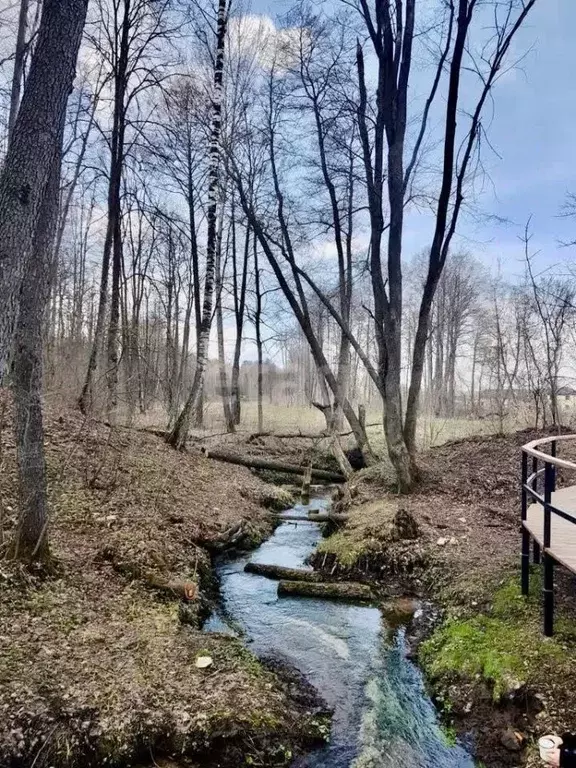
x: 179, y: 433
x: 128, y: 39
x: 553, y: 300
x: 390, y: 28
x: 239, y: 285
x: 29, y: 185
x: 32, y: 149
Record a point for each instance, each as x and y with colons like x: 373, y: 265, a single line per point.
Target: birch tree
x: 179, y: 434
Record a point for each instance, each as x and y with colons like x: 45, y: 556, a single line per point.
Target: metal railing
x: 546, y: 476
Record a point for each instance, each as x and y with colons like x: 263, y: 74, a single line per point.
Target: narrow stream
x: 382, y: 715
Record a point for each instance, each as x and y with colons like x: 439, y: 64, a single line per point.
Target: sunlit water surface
x: 382, y: 715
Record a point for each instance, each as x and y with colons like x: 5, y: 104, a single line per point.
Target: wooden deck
x: 562, y: 532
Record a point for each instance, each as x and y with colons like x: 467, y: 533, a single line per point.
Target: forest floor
x: 98, y: 653
x: 490, y: 668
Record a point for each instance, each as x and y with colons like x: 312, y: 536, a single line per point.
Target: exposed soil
x: 489, y: 665
x: 98, y: 652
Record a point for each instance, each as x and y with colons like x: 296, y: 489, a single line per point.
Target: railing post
x: 525, y: 533
x: 548, y: 488
x: 548, y: 595
x: 548, y: 560
x: 535, y: 488
x: 553, y: 452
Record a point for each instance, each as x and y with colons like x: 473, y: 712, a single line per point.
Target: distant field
x: 306, y: 419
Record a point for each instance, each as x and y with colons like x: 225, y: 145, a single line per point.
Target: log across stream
x: 382, y: 715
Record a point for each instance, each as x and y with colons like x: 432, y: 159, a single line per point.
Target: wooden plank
x: 562, y: 532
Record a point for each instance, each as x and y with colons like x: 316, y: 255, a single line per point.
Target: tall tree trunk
x: 112, y: 241
x: 451, y: 191
x: 18, y: 73
x: 258, y: 331
x: 113, y: 341
x: 32, y: 535
x: 224, y: 391
x: 390, y: 123
x: 179, y: 434
x: 27, y: 373
x: 86, y: 399
x: 184, y: 350
x: 115, y: 213
x: 342, y: 242
x: 170, y: 362
x: 239, y: 311
x: 194, y: 255
x: 31, y: 151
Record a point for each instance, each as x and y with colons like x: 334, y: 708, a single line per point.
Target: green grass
x: 308, y: 420
x: 505, y: 648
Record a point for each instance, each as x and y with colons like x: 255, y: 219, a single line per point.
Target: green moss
x: 232, y: 654
x: 319, y: 728
x: 277, y: 499
x: 505, y: 649
x: 264, y: 720
x: 346, y: 548
x: 449, y: 734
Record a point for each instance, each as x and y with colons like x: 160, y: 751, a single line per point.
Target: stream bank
x: 487, y: 663
x: 96, y: 666
x: 352, y: 656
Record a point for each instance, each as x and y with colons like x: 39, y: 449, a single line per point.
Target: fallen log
x: 312, y: 517
x: 322, y: 435
x: 173, y: 588
x: 254, y: 462
x: 280, y: 572
x: 325, y: 517
x: 335, y: 591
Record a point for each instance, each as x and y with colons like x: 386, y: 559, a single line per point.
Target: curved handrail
x: 532, y: 450
x: 547, y: 500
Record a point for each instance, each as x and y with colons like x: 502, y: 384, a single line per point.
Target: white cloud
x: 258, y: 37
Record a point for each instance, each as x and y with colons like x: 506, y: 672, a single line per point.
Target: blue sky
x: 533, y: 131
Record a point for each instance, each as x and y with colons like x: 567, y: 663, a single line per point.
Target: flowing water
x: 382, y: 715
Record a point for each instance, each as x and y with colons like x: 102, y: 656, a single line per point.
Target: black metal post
x: 548, y: 487
x: 525, y: 534
x: 535, y: 488
x: 548, y: 560
x: 548, y: 595
x: 553, y: 451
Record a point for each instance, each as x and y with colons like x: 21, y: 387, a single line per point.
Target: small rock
x: 202, y: 662
x: 442, y: 542
x: 512, y: 740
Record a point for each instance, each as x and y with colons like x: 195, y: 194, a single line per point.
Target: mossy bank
x: 455, y: 543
